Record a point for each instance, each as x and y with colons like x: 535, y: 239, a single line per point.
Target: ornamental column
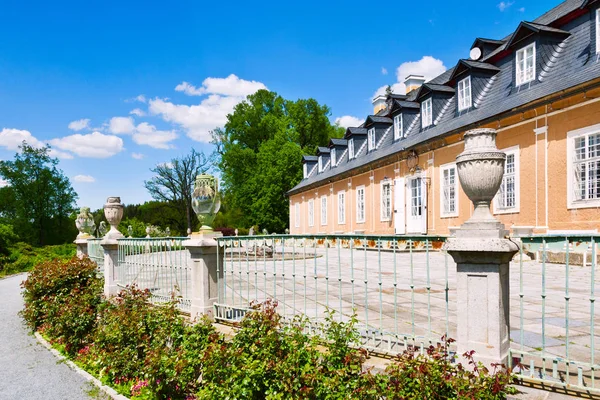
x: 85, y: 225
x: 113, y: 211
x: 482, y: 255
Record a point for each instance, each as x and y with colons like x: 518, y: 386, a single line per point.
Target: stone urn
x: 85, y: 223
x: 480, y: 170
x: 206, y: 200
x: 113, y: 211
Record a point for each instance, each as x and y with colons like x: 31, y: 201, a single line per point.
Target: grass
x: 22, y: 257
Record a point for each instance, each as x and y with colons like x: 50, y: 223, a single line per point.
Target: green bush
x: 23, y: 257
x: 62, y: 298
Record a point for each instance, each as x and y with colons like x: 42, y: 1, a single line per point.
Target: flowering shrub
x: 152, y: 352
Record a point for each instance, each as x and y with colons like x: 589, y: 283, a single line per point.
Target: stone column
x: 113, y: 211
x: 482, y: 255
x: 82, y: 248
x: 206, y: 255
x: 85, y: 225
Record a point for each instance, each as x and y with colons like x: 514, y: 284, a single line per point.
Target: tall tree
x: 174, y: 182
x: 260, y: 151
x: 39, y: 196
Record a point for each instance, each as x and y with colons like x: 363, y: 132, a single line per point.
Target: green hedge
x: 22, y: 257
x: 151, y: 352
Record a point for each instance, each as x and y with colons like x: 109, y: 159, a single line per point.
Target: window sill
x: 583, y: 204
x: 454, y: 215
x: 506, y: 211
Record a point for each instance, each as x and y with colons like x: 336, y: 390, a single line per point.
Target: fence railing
x: 553, y: 316
x: 397, y: 287
x: 96, y: 253
x: 161, y: 265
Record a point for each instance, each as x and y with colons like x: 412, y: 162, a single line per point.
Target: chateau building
x: 396, y: 173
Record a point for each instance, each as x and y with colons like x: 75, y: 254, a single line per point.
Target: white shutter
x: 424, y: 206
x: 399, y: 206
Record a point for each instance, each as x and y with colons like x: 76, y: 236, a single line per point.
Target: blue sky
x: 117, y: 87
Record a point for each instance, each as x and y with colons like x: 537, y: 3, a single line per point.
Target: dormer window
x: 371, y: 139
x: 464, y: 94
x: 333, y: 158
x: 426, y: 113
x: 598, y: 30
x: 398, y: 127
x: 320, y: 164
x: 525, y: 64
x: 351, y: 149
x: 305, y: 170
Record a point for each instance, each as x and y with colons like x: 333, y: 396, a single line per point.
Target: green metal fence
x: 161, y: 265
x: 397, y: 287
x: 553, y: 316
x: 96, y: 253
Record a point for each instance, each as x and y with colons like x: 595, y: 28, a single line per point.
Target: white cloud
x: 503, y: 5
x: 427, y: 66
x: 348, y: 121
x: 121, y: 125
x: 384, y: 71
x: 93, y: 145
x: 138, y: 112
x: 230, y: 86
x: 137, y: 156
x: 148, y: 135
x: 79, y: 124
x: 141, y: 98
x: 84, y: 179
x: 3, y: 183
x: 11, y: 139
x: 522, y: 9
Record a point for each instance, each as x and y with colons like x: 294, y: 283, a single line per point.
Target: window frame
x: 598, y: 30
x: 333, y: 157
x: 429, y: 121
x: 371, y: 142
x: 341, y: 207
x: 305, y: 170
x: 297, y: 215
x: 351, y: 154
x: 320, y: 162
x: 360, y: 220
x: 462, y: 105
x: 382, y: 216
x: 572, y: 202
x: 523, y: 50
x: 443, y: 212
x: 324, y: 210
x: 398, y: 126
x: 515, y: 151
x: 311, y: 213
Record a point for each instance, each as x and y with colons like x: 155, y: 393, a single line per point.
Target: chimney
x: 413, y: 82
x: 379, y: 103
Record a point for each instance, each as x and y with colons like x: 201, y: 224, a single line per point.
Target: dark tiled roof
x: 563, y: 64
x: 407, y: 104
x: 378, y: 119
x: 338, y: 142
x: 531, y: 27
x: 309, y: 158
x: 464, y: 65
x: 487, y: 41
x: 321, y: 150
x: 356, y: 131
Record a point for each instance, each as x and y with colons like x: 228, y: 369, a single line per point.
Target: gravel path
x: 27, y: 370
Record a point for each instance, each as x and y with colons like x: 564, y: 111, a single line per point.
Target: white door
x: 416, y: 206
x: 399, y: 206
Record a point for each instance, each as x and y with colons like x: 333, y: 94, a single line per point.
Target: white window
x: 449, y: 191
x: 323, y: 210
x: 598, y: 30
x: 351, y: 149
x: 320, y: 164
x: 341, y: 207
x: 525, y: 64
x: 386, y: 200
x: 305, y: 170
x: 333, y: 158
x: 360, y: 204
x: 297, y: 215
x: 507, y: 198
x: 583, y: 168
x: 464, y: 94
x: 398, y: 128
x: 311, y: 212
x: 371, y: 139
x: 426, y: 113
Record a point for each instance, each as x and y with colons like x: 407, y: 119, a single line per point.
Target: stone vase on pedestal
x: 482, y: 255
x: 85, y: 223
x: 206, y: 201
x: 113, y: 211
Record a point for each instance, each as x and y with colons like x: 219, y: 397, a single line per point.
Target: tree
x: 260, y: 151
x: 39, y: 198
x: 174, y: 182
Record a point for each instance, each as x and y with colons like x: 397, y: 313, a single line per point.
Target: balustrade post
x: 206, y: 257
x: 482, y: 255
x: 113, y: 211
x: 85, y: 225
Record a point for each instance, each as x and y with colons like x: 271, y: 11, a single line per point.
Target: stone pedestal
x: 82, y: 247
x: 206, y: 255
x: 483, y: 296
x: 111, y: 254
